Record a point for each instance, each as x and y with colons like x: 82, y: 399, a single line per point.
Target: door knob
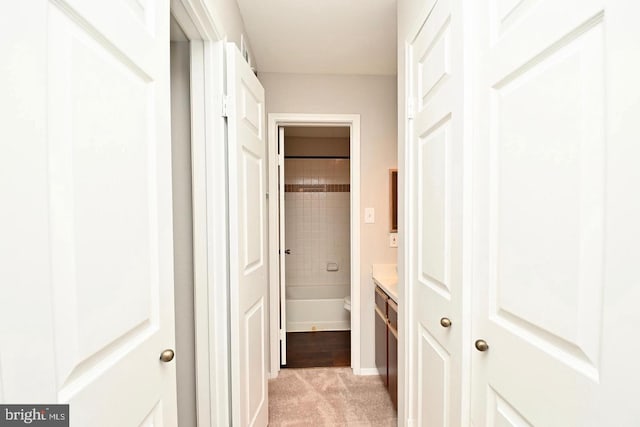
x: 287, y: 251
x: 481, y: 345
x: 445, y: 322
x: 167, y: 355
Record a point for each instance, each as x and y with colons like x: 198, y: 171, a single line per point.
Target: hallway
x: 328, y: 397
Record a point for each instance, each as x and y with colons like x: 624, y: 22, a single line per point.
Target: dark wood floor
x: 318, y: 349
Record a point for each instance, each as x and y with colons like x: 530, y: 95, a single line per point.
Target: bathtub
x: 317, y: 308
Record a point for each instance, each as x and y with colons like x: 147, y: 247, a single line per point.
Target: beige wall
x: 374, y: 98
x: 327, y: 147
x: 182, y: 234
x: 228, y: 14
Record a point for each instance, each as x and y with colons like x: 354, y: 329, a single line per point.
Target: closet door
x: 247, y: 243
x: 556, y: 267
x: 86, y: 252
x: 434, y: 189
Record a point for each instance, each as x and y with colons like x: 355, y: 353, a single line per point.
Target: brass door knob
x: 167, y: 355
x: 445, y: 322
x: 481, y: 345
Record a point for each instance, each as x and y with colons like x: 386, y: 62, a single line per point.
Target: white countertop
x: 386, y: 276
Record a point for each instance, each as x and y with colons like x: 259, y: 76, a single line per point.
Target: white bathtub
x: 306, y: 312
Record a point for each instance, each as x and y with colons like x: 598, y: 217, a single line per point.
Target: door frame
x: 206, y: 36
x: 298, y: 119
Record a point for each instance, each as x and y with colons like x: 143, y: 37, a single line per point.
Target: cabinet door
x: 381, y: 335
x: 392, y: 336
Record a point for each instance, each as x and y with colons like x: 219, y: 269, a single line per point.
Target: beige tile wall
x: 317, y: 227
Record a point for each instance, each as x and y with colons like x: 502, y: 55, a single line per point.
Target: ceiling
x: 322, y: 36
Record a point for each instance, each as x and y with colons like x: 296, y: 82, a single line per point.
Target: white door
x: 247, y: 242
x: 283, y: 251
x: 557, y: 207
x: 434, y: 189
x: 87, y: 265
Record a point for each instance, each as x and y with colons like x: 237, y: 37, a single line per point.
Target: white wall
x: 183, y: 233
x: 374, y: 98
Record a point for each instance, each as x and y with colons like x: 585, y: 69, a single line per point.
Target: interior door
x: 434, y: 188
x: 282, y: 242
x: 557, y: 229
x: 87, y: 305
x: 247, y: 242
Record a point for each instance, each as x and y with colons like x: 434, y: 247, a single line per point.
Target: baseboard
x: 272, y: 376
x: 340, y: 325
x: 367, y: 371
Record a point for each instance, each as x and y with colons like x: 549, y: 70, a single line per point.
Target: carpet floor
x: 328, y: 397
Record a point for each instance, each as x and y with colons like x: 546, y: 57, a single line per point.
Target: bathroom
x: 317, y: 245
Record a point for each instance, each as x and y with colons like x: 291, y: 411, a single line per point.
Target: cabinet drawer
x: 392, y: 314
x: 381, y: 300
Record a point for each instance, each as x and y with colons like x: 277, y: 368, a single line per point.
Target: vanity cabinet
x: 386, y: 331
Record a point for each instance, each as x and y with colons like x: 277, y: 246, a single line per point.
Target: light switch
x: 393, y: 240
x: 369, y: 215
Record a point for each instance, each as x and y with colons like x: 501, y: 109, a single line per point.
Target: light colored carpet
x: 328, y: 397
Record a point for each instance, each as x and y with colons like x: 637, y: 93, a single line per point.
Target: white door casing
x: 316, y: 119
x: 101, y: 203
x: 282, y: 242
x: 435, y: 234
x: 247, y: 242
x: 558, y: 101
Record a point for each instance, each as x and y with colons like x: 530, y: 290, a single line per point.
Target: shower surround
x: 317, y: 212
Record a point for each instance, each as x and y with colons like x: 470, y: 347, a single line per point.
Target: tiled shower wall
x: 317, y: 229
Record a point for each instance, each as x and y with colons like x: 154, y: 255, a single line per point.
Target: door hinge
x: 410, y: 109
x: 267, y: 194
x: 283, y: 334
x: 226, y: 101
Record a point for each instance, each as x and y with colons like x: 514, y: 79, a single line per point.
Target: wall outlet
x: 369, y: 215
x: 393, y: 240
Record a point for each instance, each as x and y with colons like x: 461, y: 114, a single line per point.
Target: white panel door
x: 87, y: 237
x: 247, y: 242
x: 557, y: 208
x: 283, y: 251
x: 434, y: 189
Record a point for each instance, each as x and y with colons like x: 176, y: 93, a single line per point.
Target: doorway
x: 278, y: 309
x: 180, y: 60
x: 314, y: 246
x: 200, y: 256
